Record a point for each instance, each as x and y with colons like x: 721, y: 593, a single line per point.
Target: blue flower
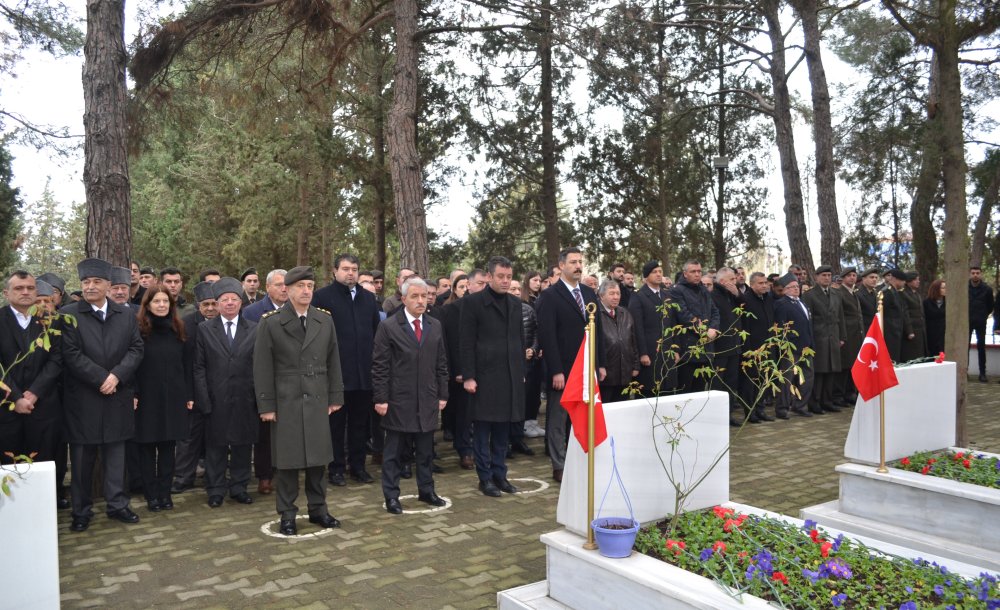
x: 910, y: 605
x: 705, y: 554
x: 839, y: 599
x: 909, y: 589
x: 837, y: 569
x: 837, y: 542
x: 763, y: 560
x: 938, y: 590
x: 812, y: 576
x: 808, y: 525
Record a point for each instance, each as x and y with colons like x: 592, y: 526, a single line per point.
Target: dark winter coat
x: 492, y: 353
x: 356, y: 320
x: 895, y: 322
x: 853, y: 324
x: 829, y: 328
x: 980, y: 303
x: 296, y: 375
x: 621, y: 355
x: 38, y: 373
x: 934, y: 316
x: 695, y: 302
x: 223, y: 382
x: 917, y: 346
x: 410, y: 376
x: 649, y: 321
x: 760, y: 319
x: 786, y: 310
x: 91, y: 351
x: 868, y: 300
x: 729, y: 341
x: 163, y: 386
x: 561, y: 328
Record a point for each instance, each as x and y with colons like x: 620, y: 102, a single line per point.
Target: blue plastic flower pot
x: 615, y: 542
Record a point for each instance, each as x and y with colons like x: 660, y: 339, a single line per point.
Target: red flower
x: 722, y: 512
x: 931, y: 461
x: 742, y: 554
x: 905, y: 461
x: 966, y: 463
x: 925, y: 469
x: 814, y: 535
x: 719, y: 546
x: 779, y: 577
x: 940, y: 358
x: 731, y: 523
x: 824, y: 549
x: 676, y: 545
x: 959, y: 456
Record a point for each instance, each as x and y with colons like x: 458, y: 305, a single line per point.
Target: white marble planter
x: 583, y: 579
x: 28, y: 537
x: 955, y: 520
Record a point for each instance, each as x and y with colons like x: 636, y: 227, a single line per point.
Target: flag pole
x: 590, y: 545
x: 881, y: 400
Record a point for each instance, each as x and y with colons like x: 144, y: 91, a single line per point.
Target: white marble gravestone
x: 705, y: 419
x: 919, y: 415
x: 28, y: 537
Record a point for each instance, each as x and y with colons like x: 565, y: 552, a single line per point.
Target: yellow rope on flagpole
x: 591, y: 352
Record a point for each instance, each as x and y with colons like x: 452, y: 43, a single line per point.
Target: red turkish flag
x: 872, y: 370
x: 576, y: 396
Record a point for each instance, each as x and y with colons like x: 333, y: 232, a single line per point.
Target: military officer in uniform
x: 895, y: 321
x: 297, y: 379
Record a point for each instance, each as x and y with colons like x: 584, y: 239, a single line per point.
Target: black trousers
x: 190, y: 450
x: 463, y: 418
x: 396, y: 445
x: 286, y: 487
x: 612, y: 393
x: 848, y: 394
x: 489, y: 446
x: 788, y: 401
x: 727, y: 378
x: 83, y: 458
x: 262, y: 452
x: 133, y: 467
x: 979, y: 328
x: 156, y: 462
x: 217, y: 459
x: 532, y: 389
x: 687, y: 382
x: 27, y: 434
x: 351, y: 422
x: 822, y: 394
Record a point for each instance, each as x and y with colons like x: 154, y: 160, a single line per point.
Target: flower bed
x: 805, y: 568
x: 962, y: 466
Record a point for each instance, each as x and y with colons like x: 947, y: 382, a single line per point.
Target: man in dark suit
x: 981, y: 303
x: 650, y: 323
x: 355, y: 315
x: 410, y: 387
x: 492, y: 351
x: 296, y: 374
x: 562, y: 320
x: 758, y: 300
x: 192, y: 449
x: 33, y: 426
x: 853, y: 323
x: 223, y: 384
x: 101, y: 354
x: 617, y: 274
x: 895, y: 322
x: 251, y: 286
x: 829, y: 329
x: 728, y: 346
x: 277, y: 296
x: 868, y: 297
x: 789, y: 310
x: 695, y: 310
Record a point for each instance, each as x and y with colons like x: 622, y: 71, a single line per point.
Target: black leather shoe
x: 154, y: 505
x: 179, y: 488
x: 337, y: 478
x: 243, y: 498
x: 326, y: 520
x: 489, y: 489
x: 167, y: 503
x: 80, y: 524
x: 735, y: 422
x: 505, y: 486
x: 362, y: 477
x: 817, y: 411
x: 754, y: 419
x: 215, y: 501
x: 982, y: 379
x: 802, y: 412
x: 63, y: 503
x: 406, y: 471
x: 831, y: 409
x: 125, y: 515
x: 393, y: 507
x: 764, y: 416
x: 287, y: 527
x: 781, y: 414
x: 431, y: 498
x: 522, y: 448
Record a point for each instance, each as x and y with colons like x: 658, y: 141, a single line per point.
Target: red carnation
x: 780, y: 577
x: 905, y: 461
x: 966, y: 463
x: 722, y: 512
x: 824, y: 549
x: 925, y: 469
x: 676, y: 545
x: 719, y: 546
x: 940, y: 358
x: 959, y: 456
x: 814, y: 535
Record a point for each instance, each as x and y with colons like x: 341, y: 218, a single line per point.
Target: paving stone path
x: 457, y: 557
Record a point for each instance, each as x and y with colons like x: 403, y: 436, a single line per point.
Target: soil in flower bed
x: 614, y: 526
x: 963, y: 466
x: 804, y: 567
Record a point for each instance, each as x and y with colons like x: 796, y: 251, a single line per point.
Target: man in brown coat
x: 409, y: 351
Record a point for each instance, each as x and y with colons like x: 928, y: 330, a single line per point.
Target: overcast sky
x: 49, y: 91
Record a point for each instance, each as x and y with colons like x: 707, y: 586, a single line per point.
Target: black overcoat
x: 491, y: 339
x: 760, y: 320
x: 917, y: 346
x: 786, y: 310
x: 694, y: 302
x: 90, y: 351
x: 829, y: 328
x: 223, y: 382
x: 356, y: 321
x: 895, y: 322
x: 853, y: 325
x: 38, y: 373
x: 163, y: 387
x: 621, y: 356
x: 410, y: 376
x: 934, y: 316
x: 561, y: 327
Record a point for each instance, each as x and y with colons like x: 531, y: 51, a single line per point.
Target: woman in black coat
x: 934, y: 317
x: 163, y: 395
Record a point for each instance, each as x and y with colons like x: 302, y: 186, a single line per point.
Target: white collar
x: 22, y: 319
x: 410, y: 319
x: 101, y: 309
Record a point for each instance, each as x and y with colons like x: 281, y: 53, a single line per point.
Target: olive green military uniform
x: 297, y: 377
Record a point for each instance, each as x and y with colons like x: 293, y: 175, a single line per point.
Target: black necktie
x: 303, y: 320
x: 229, y: 332
x: 100, y: 314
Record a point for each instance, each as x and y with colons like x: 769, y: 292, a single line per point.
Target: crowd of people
x: 274, y: 379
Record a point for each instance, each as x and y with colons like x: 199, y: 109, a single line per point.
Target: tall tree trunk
x: 302, y: 229
x: 826, y: 179
x: 719, y: 235
x: 925, y: 243
x: 659, y: 105
x: 379, y: 183
x: 105, y: 171
x: 956, y: 222
x: 795, y: 220
x: 983, y: 220
x: 550, y: 212
x: 404, y: 161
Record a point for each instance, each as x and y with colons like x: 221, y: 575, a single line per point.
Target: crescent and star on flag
x: 872, y: 364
